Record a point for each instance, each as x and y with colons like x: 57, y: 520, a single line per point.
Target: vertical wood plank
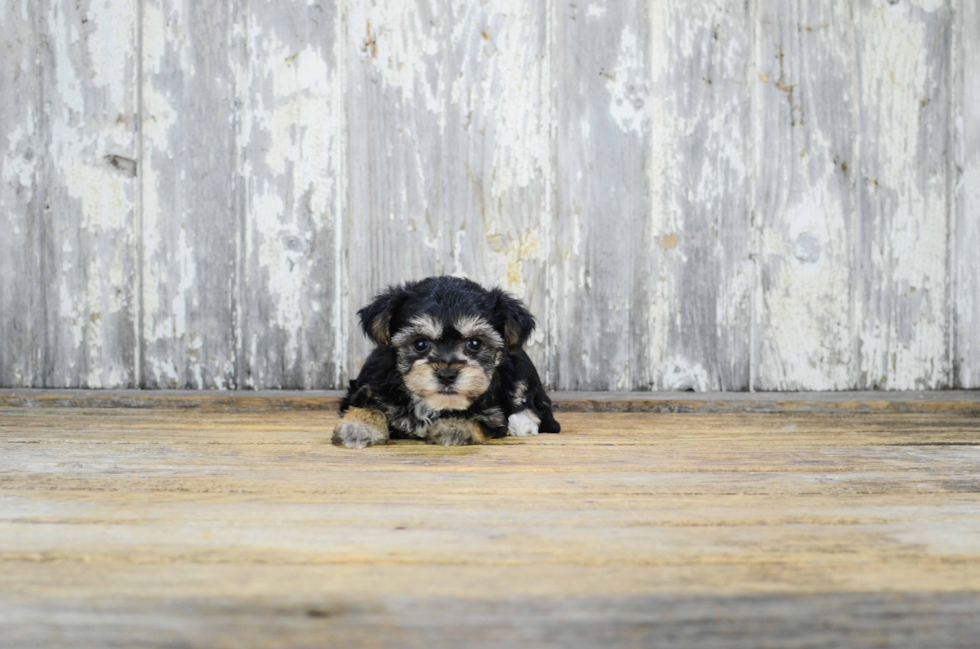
x: 498, y: 150
x: 966, y: 182
x: 697, y: 287
x: 293, y: 164
x: 449, y: 152
x: 601, y: 63
x: 19, y: 108
x: 805, y: 202
x: 902, y: 54
x: 396, y: 94
x: 191, y: 223
x: 88, y: 192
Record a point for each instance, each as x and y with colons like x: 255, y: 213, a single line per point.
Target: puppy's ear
x: 518, y: 321
x: 376, y: 317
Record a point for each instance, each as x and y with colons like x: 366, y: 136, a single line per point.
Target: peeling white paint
x: 159, y: 120
x: 400, y: 41
x: 299, y: 131
x: 595, y: 11
x: 687, y: 375
x: 903, y: 328
x: 627, y: 85
x: 466, y: 176
x: 508, y: 71
x: 114, y: 21
x: 19, y: 161
x: 105, y: 196
x: 175, y: 325
x: 18, y: 169
x: 808, y: 267
x: 93, y: 202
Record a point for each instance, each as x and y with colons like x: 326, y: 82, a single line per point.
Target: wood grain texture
x: 449, y: 151
x: 774, y: 195
x: 292, y: 145
x: 695, y: 302
x: 191, y: 194
x: 20, y: 98
x: 397, y: 94
x: 602, y: 203
x: 498, y: 180
x: 675, y: 621
x: 806, y: 122
x: 235, y: 529
x: 962, y: 402
x: 88, y: 192
x: 901, y: 263
x: 965, y: 181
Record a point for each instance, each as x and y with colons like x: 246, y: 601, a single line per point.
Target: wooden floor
x: 187, y: 528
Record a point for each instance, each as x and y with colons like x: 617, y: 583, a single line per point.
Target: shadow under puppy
x: 449, y: 368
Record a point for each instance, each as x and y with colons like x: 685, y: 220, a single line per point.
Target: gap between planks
x: 965, y: 402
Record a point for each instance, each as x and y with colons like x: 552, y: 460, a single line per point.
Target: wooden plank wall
x: 772, y: 195
x: 964, y: 179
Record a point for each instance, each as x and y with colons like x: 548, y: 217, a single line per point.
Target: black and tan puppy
x: 449, y: 368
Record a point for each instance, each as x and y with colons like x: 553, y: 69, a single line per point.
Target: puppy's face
x: 449, y: 335
x: 448, y: 360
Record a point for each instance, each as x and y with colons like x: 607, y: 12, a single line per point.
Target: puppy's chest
x: 414, y: 418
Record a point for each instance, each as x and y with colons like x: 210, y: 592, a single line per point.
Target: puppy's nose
x: 447, y: 376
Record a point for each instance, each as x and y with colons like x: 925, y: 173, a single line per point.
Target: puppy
x: 449, y: 367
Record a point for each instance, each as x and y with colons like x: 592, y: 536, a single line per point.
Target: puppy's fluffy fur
x: 449, y: 368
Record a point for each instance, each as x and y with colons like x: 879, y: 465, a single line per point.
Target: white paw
x: 523, y: 424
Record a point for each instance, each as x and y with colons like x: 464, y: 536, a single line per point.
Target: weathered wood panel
x: 965, y: 182
x: 901, y: 262
x: 88, y: 192
x: 449, y: 154
x: 694, y: 305
x: 806, y: 123
x: 689, y: 621
x: 602, y: 203
x: 292, y: 147
x: 191, y: 193
x: 728, y: 530
x: 498, y: 180
x: 394, y: 230
x: 216, y: 188
x: 20, y: 96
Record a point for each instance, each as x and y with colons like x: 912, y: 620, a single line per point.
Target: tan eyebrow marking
x: 474, y: 326
x: 420, y: 325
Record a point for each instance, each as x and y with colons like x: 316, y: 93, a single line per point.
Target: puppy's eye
x: 421, y: 345
x: 473, y: 345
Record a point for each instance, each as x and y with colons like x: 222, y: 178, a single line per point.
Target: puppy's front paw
x: 523, y: 424
x: 361, y: 427
x: 454, y: 432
